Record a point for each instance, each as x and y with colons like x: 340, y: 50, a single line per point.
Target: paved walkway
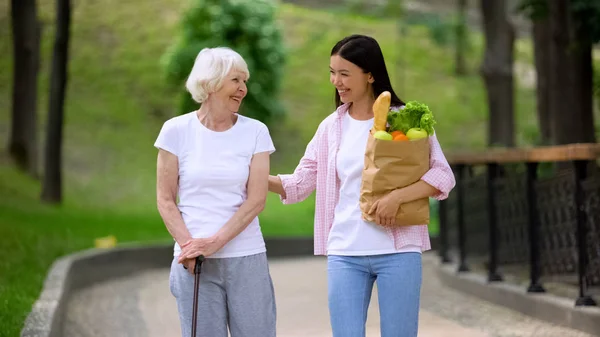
x: 143, y: 306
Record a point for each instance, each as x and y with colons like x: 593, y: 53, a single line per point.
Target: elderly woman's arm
x: 167, y: 176
x: 254, y: 204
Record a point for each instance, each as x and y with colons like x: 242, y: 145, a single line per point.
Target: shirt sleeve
x: 440, y: 174
x: 300, y: 184
x: 169, y: 138
x: 264, y: 143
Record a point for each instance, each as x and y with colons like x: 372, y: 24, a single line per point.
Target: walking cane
x: 197, y: 268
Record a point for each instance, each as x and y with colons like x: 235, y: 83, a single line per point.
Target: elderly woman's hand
x: 196, y: 247
x: 189, y: 265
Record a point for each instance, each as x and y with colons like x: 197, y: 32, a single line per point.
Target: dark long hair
x: 364, y: 51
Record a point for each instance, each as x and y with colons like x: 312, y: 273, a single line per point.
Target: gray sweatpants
x: 234, y: 292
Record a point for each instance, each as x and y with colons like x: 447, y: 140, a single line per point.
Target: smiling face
x: 351, y: 82
x: 232, y: 91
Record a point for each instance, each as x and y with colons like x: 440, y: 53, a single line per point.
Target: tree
x: 497, y: 73
x: 597, y: 85
x: 246, y: 26
x: 571, y: 84
x: 564, y: 32
x: 461, y: 39
x: 541, y: 51
x: 537, y: 10
x: 52, y: 184
x: 26, y: 31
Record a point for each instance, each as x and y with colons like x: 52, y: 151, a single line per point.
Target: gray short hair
x: 209, y: 70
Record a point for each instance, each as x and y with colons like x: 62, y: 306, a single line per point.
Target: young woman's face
x: 350, y: 81
x: 233, y: 91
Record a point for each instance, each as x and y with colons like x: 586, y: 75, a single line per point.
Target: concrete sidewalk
x: 143, y: 306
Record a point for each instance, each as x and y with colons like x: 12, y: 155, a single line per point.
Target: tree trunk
x: 26, y: 31
x: 541, y: 49
x: 571, y: 82
x: 461, y: 39
x: 583, y: 89
x: 52, y: 186
x: 497, y: 72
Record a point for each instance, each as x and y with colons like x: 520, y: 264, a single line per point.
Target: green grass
x: 117, y: 101
x: 34, y: 235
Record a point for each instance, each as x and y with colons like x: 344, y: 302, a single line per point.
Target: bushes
x: 246, y: 26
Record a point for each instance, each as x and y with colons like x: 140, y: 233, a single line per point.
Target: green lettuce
x: 414, y: 115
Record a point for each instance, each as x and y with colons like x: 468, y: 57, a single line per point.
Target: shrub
x: 246, y: 26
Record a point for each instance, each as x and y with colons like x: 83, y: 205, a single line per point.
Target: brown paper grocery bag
x: 390, y: 165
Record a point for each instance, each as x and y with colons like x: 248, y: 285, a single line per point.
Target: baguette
x: 380, y: 111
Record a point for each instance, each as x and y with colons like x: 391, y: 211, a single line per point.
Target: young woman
x: 359, y: 252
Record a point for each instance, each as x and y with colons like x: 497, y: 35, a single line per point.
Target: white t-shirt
x: 213, y: 174
x: 350, y: 234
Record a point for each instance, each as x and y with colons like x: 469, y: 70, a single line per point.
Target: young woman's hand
x: 276, y: 186
x: 196, y: 247
x: 386, y: 209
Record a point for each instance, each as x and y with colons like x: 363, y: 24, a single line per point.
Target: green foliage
x: 414, y: 115
x: 534, y: 9
x: 586, y: 14
x: 394, y: 8
x: 246, y: 26
x: 441, y: 31
x: 365, y: 8
x: 587, y: 17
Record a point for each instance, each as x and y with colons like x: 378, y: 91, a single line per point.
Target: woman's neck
x: 362, y: 109
x: 215, y: 118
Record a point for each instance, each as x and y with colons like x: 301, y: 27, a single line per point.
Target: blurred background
x: 75, y: 172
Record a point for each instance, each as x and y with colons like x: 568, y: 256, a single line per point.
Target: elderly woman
x: 217, y: 162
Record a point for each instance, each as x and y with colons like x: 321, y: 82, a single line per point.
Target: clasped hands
x: 196, y: 247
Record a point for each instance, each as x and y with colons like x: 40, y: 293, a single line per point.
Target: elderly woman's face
x: 233, y: 91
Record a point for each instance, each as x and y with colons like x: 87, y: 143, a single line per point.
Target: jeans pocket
x: 337, y: 262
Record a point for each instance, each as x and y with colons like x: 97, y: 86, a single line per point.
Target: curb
x: 82, y: 269
x: 543, y: 306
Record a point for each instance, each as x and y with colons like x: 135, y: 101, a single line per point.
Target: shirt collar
x: 343, y: 109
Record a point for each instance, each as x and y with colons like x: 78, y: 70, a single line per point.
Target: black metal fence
x: 513, y: 215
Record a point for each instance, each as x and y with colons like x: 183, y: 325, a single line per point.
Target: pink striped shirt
x: 317, y: 170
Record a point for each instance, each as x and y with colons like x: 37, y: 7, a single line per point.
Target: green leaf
x: 414, y: 115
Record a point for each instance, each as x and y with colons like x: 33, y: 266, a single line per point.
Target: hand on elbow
x: 276, y: 185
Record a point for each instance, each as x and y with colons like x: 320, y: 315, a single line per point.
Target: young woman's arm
x: 440, y: 175
x: 254, y: 204
x: 276, y: 186
x: 436, y: 183
x: 299, y: 185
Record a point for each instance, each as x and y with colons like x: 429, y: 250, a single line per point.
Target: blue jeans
x: 351, y: 280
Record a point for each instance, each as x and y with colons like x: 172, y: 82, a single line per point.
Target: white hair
x: 210, y: 69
